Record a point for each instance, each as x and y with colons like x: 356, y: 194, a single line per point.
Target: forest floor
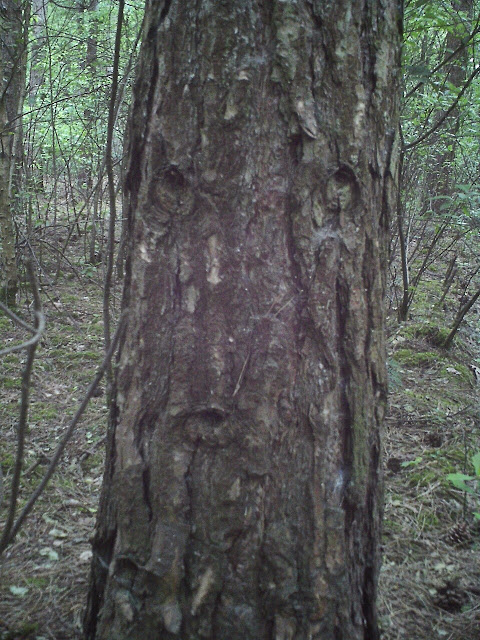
x: 430, y: 578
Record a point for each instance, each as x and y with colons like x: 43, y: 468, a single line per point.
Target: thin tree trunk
x: 459, y: 318
x: 241, y: 498
x: 9, y: 278
x: 439, y: 183
x: 12, y: 79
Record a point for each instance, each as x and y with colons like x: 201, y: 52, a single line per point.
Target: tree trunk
x: 12, y: 84
x: 241, y: 498
x: 8, y: 261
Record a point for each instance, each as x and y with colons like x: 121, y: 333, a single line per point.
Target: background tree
x: 241, y: 496
x: 438, y: 210
x: 14, y: 17
x: 63, y: 193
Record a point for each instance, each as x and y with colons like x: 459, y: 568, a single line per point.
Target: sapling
x: 469, y: 484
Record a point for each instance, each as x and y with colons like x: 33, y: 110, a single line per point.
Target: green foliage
x: 67, y: 106
x: 410, y: 463
x: 440, y: 134
x: 469, y: 484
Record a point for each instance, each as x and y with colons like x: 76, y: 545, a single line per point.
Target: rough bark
x: 13, y: 17
x: 8, y: 265
x: 242, y: 495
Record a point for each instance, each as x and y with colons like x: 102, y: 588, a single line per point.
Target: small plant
x: 410, y: 463
x: 469, y: 484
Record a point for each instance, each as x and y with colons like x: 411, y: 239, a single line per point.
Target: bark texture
x: 241, y: 498
x: 14, y: 16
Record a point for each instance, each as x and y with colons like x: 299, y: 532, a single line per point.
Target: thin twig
x: 16, y: 319
x: 444, y: 62
x: 6, y: 540
x: 34, y: 340
x: 25, y: 397
x: 240, y: 377
x: 445, y: 115
x: 111, y: 192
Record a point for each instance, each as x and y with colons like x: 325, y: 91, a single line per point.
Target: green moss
x: 457, y: 373
x: 432, y: 468
x: 443, y: 401
x: 10, y: 358
x: 429, y: 331
x: 37, y: 581
x: 411, y: 358
x: 7, y: 460
x: 421, y: 477
x: 93, y: 462
x: 392, y: 526
x: 432, y: 286
x: 86, y: 355
x: 59, y: 353
x: 42, y: 411
x: 26, y: 630
x: 394, y: 375
x: 5, y: 323
x: 67, y: 482
x: 10, y: 383
x: 97, y: 327
x: 10, y: 363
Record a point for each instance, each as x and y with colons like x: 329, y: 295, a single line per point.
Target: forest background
x: 67, y: 71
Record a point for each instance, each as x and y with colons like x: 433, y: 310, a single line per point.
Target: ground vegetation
x: 60, y: 213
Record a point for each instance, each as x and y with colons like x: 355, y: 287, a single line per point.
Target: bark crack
x: 345, y: 376
x: 187, y: 580
x: 165, y: 10
x: 146, y: 491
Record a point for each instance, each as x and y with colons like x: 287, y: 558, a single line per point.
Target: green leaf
x: 409, y: 463
x: 459, y: 481
x: 476, y: 463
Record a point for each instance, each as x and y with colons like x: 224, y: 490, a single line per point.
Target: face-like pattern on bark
x: 241, y: 494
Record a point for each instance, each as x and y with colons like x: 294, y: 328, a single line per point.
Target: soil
x: 430, y: 578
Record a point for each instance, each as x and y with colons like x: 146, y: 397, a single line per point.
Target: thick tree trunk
x: 241, y: 498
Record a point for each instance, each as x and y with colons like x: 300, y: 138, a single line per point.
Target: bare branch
x: 438, y: 124
x: 22, y: 421
x: 111, y: 190
x: 16, y: 319
x: 6, y: 540
x: 33, y: 341
x: 445, y: 61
